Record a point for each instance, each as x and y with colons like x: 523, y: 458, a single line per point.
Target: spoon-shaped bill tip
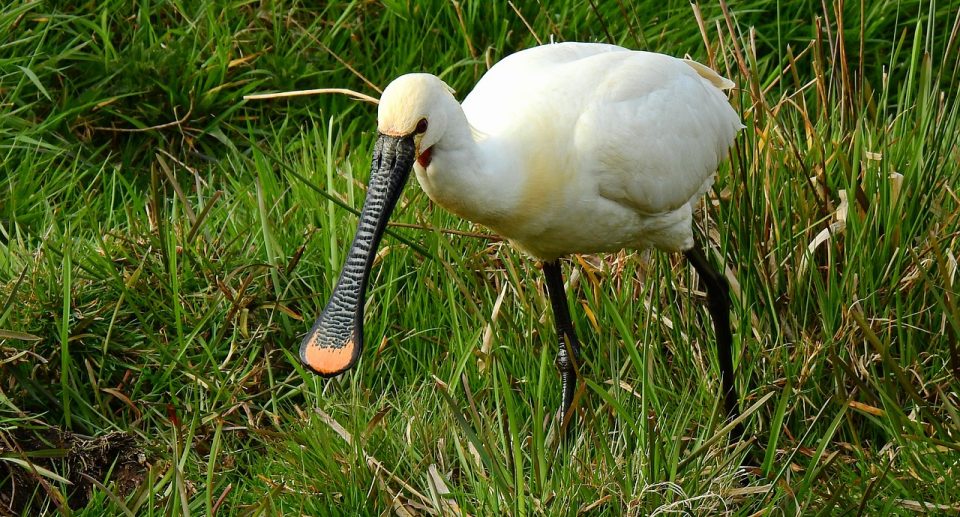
x: 328, y: 361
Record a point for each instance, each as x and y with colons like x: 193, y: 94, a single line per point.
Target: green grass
x: 165, y: 244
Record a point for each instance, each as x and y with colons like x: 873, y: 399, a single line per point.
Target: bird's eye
x: 422, y: 126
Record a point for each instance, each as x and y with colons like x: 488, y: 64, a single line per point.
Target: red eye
x: 422, y: 126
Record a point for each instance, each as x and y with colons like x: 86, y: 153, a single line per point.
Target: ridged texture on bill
x: 336, y: 339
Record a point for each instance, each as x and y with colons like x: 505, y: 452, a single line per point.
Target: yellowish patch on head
x: 329, y: 361
x: 407, y: 100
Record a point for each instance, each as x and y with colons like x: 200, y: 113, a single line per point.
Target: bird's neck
x: 467, y: 179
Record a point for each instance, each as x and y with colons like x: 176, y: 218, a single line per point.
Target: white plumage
x: 566, y: 148
x: 572, y: 147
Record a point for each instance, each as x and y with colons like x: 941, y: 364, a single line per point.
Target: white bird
x: 563, y: 148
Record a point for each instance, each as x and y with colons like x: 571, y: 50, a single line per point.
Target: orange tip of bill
x: 329, y: 361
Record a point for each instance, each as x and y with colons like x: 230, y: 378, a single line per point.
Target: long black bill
x: 334, y: 343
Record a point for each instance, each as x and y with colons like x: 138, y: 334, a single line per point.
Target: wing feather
x: 644, y: 130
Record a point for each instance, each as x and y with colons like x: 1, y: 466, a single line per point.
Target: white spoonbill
x: 563, y: 148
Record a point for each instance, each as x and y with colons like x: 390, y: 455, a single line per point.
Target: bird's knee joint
x: 720, y: 304
x: 563, y: 360
x: 719, y: 298
x: 723, y: 287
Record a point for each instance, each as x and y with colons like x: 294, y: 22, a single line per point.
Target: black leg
x: 569, y: 346
x: 718, y: 302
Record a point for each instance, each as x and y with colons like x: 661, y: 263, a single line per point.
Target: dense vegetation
x: 164, y: 244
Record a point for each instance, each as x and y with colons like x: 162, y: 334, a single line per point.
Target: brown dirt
x: 21, y: 490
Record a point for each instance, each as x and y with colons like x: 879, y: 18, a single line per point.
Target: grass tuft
x: 164, y: 243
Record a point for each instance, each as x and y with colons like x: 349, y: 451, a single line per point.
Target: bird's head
x: 411, y: 119
x: 414, y: 104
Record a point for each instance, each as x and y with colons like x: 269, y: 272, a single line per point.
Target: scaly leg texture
x: 568, y: 355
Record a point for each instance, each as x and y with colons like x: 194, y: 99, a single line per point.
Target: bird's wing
x: 531, y: 84
x: 647, y: 130
x: 656, y: 131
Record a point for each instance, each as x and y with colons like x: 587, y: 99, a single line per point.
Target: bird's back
x: 644, y: 130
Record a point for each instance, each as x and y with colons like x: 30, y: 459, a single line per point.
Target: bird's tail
x: 721, y: 82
